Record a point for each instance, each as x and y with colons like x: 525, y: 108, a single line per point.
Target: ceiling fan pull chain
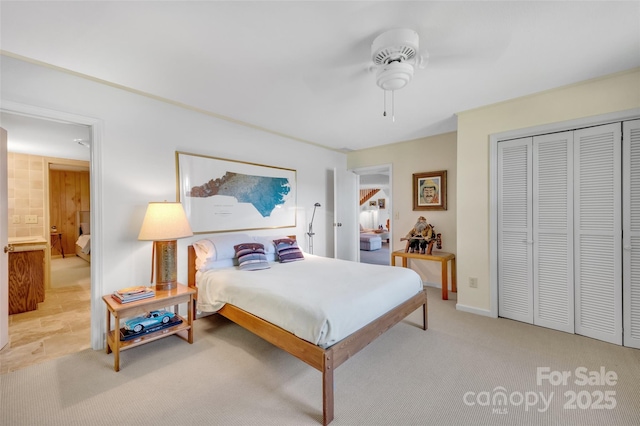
x: 384, y: 109
x: 393, y: 106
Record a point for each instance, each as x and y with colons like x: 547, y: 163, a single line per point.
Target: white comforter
x: 318, y: 299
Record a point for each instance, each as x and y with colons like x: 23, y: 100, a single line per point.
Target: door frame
x: 4, y: 257
x: 95, y: 166
x: 494, y: 139
x: 360, y: 171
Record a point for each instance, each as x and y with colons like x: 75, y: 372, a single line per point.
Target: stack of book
x: 131, y: 294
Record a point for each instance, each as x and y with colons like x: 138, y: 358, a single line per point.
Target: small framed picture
x: 373, y: 203
x: 381, y: 203
x: 430, y: 190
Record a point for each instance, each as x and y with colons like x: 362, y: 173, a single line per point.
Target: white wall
x: 610, y: 94
x: 137, y: 158
x: 417, y: 156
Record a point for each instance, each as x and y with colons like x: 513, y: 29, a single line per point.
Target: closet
x: 569, y: 231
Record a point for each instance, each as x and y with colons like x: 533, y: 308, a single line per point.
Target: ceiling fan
x: 394, y: 54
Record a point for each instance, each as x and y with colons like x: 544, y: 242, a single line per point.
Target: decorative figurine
x: 422, y: 237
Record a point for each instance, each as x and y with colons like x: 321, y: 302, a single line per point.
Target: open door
x: 345, y: 200
x: 4, y: 256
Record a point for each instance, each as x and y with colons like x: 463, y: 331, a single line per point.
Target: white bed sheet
x: 84, y: 242
x: 318, y: 299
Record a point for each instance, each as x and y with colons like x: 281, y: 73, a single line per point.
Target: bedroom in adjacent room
x: 49, y: 209
x: 70, y: 224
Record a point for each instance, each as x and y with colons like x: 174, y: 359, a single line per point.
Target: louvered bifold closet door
x: 515, y: 289
x: 553, y: 292
x: 598, y: 229
x: 631, y: 232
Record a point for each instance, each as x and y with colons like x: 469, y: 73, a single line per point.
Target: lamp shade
x: 164, y: 222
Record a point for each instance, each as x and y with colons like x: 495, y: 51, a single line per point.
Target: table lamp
x: 163, y: 224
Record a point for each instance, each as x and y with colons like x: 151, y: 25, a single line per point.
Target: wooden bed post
x: 425, y: 323
x: 327, y: 388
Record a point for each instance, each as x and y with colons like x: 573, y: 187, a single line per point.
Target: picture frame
x: 222, y: 195
x: 381, y: 203
x: 373, y: 203
x: 430, y: 190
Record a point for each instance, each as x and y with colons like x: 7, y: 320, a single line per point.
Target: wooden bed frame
x: 82, y: 255
x: 324, y: 360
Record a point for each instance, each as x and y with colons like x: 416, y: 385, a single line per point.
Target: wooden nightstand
x: 441, y: 257
x: 162, y: 299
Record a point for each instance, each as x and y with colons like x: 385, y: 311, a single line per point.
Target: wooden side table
x: 162, y: 299
x: 441, y: 257
x: 56, y: 237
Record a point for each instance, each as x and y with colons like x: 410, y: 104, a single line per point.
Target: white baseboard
x: 463, y: 308
x: 473, y: 310
x: 428, y: 284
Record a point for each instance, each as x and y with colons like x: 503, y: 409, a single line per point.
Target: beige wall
x: 25, y: 194
x: 417, y: 156
x: 614, y: 93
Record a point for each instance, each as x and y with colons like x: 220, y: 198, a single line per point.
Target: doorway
x: 41, y: 138
x: 375, y: 214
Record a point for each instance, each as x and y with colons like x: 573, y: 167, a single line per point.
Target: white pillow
x: 85, y: 228
x: 204, y: 249
x: 218, y: 250
x: 216, y: 264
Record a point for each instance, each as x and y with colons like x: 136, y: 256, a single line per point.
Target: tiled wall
x: 26, y: 194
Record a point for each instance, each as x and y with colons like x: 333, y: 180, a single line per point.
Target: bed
x: 83, y: 237
x: 249, y: 298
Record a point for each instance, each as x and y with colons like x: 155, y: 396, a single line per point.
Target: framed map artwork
x: 220, y: 195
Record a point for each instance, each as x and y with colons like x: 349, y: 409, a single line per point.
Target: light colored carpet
x: 70, y: 271
x: 377, y: 257
x: 406, y: 377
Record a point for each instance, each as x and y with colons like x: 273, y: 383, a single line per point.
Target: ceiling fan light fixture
x: 395, y: 45
x: 394, y: 54
x: 394, y: 76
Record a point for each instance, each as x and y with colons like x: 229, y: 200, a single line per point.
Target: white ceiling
x: 29, y: 135
x: 300, y: 68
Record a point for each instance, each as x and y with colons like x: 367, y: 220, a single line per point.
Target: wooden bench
x: 441, y: 257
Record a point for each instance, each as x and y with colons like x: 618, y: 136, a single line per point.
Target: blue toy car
x: 149, y: 320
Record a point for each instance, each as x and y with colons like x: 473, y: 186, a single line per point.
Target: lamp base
x: 166, y: 265
x: 166, y: 286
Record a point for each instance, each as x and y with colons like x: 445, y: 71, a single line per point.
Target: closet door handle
x: 8, y: 249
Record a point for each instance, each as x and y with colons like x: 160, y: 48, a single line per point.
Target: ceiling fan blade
x: 335, y: 77
x: 446, y: 47
x: 341, y: 65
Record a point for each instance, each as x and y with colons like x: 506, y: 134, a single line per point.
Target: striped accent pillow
x: 251, y: 256
x: 288, y: 250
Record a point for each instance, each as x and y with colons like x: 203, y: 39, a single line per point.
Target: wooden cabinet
x: 26, y: 279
